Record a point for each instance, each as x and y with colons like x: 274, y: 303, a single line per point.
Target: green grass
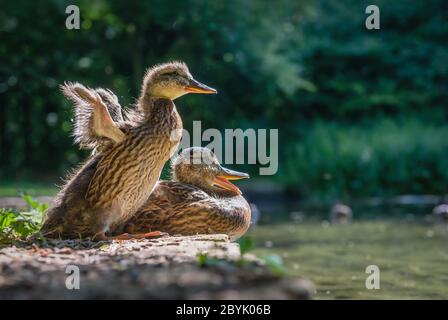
x: 10, y: 188
x: 16, y: 225
x: 412, y: 257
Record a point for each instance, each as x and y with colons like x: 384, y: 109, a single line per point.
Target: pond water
x: 410, y: 251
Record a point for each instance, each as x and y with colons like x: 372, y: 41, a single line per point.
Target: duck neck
x: 148, y: 97
x: 146, y: 103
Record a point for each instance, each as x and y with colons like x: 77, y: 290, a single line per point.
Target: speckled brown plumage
x: 115, y: 182
x: 192, y: 205
x: 179, y: 208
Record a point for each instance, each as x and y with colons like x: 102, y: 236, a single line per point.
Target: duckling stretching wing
x: 96, y: 114
x: 114, y: 183
x: 112, y: 104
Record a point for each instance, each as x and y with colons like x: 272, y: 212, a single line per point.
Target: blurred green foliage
x: 401, y: 157
x: 359, y: 112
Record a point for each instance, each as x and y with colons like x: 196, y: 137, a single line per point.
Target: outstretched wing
x: 93, y: 115
x: 112, y: 104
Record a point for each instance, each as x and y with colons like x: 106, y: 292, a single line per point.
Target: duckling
x: 114, y: 183
x: 341, y: 214
x: 199, y: 200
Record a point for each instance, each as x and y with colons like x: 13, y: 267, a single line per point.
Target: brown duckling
x: 113, y: 184
x: 199, y: 200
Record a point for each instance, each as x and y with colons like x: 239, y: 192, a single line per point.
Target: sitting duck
x: 116, y: 181
x: 199, y: 200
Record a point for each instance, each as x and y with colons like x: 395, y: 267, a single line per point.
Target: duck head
x: 172, y: 80
x: 200, y: 167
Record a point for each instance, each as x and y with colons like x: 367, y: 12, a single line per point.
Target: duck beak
x: 222, y: 179
x: 197, y: 87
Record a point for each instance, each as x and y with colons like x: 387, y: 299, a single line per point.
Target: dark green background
x: 359, y: 112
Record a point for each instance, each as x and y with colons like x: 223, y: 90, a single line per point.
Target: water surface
x: 410, y: 251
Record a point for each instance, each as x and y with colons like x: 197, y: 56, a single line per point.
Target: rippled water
x: 410, y: 251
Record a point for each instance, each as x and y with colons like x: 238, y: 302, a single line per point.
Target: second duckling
x: 200, y: 200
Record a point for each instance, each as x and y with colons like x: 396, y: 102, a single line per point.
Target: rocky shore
x: 163, y: 268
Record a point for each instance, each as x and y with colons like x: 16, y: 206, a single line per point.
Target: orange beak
x: 197, y: 87
x: 222, y: 180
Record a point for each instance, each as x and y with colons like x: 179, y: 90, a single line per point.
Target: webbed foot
x: 132, y: 236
